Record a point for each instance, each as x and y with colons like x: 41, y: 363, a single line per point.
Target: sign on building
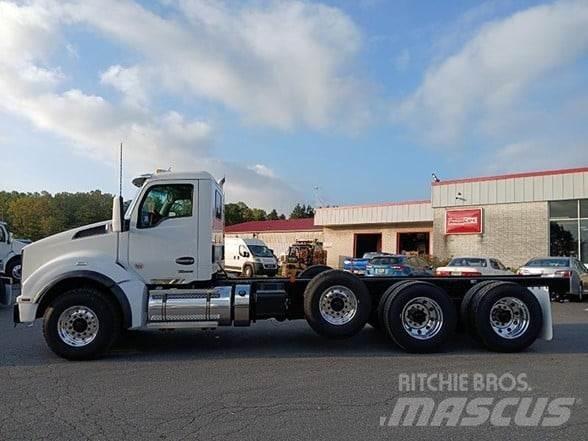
x: 463, y: 221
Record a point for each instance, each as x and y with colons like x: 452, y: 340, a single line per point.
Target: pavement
x: 275, y: 381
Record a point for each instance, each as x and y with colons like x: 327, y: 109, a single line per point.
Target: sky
x: 327, y: 103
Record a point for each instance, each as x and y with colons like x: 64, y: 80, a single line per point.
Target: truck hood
x: 82, y: 240
x: 17, y: 246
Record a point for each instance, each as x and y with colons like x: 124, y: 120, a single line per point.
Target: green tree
x: 273, y: 215
x: 302, y: 212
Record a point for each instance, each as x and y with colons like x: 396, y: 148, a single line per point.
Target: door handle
x: 185, y: 260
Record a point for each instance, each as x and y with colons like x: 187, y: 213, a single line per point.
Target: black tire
x: 106, y: 312
x: 11, y: 265
x: 465, y: 310
x: 313, y: 271
x: 482, y: 305
x: 248, y: 271
x: 377, y: 317
x: 580, y: 296
x: 393, y: 322
x: 312, y: 296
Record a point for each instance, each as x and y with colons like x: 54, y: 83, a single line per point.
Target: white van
x: 249, y: 257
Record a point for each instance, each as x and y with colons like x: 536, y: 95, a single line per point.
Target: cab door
x: 163, y: 239
x: 4, y: 245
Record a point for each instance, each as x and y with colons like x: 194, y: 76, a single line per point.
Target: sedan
x: 473, y: 267
x: 398, y: 266
x: 568, y: 267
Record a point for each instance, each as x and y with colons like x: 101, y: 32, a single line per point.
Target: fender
x: 100, y: 279
x: 130, y: 292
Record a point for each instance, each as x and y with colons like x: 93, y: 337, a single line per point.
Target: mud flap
x: 542, y: 295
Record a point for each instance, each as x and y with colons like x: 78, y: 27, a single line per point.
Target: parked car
x: 569, y: 267
x: 473, y: 266
x: 398, y: 266
x: 357, y: 265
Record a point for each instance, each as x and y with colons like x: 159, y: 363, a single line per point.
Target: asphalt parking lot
x: 273, y: 380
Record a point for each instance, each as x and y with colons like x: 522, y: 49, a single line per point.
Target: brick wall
x: 339, y: 241
x: 513, y: 233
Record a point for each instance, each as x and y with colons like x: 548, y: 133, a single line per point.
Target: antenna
x: 120, y: 170
x: 318, y: 201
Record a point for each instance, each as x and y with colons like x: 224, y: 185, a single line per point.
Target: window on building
x: 563, y: 210
x: 568, y: 229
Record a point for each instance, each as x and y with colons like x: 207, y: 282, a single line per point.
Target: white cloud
x: 262, y: 170
x: 281, y: 64
x: 479, y: 86
x: 128, y: 81
x: 202, y: 60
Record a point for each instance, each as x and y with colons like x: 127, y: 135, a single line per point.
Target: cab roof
x: 161, y: 175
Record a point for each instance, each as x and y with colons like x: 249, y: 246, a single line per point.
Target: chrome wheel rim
x: 16, y: 272
x: 78, y: 326
x: 338, y: 305
x: 509, y: 317
x: 422, y: 318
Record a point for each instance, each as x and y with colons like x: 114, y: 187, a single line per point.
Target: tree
x: 302, y: 212
x: 273, y: 215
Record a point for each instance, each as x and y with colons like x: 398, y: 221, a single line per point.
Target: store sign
x: 463, y: 221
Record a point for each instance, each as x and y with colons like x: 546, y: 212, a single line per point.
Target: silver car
x: 569, y: 267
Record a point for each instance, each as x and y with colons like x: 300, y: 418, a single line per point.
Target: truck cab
x: 10, y: 253
x: 249, y: 256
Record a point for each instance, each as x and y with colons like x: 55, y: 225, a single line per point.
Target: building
x: 511, y: 217
x: 277, y: 234
x: 395, y: 227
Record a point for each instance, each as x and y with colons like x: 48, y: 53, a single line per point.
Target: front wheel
x: 248, y: 271
x: 14, y: 269
x: 81, y: 324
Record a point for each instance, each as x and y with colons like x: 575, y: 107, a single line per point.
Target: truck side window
x: 2, y: 235
x: 218, y: 205
x: 494, y: 264
x: 164, y: 202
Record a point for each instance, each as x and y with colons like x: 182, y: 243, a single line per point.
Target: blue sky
x: 362, y: 99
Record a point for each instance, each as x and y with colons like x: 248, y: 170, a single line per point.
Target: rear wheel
x: 419, y: 317
x: 81, y: 324
x: 507, y: 317
x: 336, y: 304
x: 580, y: 297
x: 377, y: 316
x: 466, y: 317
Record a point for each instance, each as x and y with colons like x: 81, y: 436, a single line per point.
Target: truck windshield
x: 260, y: 251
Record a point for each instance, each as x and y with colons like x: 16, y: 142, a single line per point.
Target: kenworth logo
x: 511, y: 410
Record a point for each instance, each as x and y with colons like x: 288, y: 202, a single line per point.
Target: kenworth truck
x: 160, y: 266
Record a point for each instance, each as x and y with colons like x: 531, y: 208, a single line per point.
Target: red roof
x: 563, y: 171
x: 274, y: 225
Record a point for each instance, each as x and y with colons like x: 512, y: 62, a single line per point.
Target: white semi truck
x: 10, y: 253
x: 160, y: 266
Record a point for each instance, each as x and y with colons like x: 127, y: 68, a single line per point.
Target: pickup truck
x: 159, y: 266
